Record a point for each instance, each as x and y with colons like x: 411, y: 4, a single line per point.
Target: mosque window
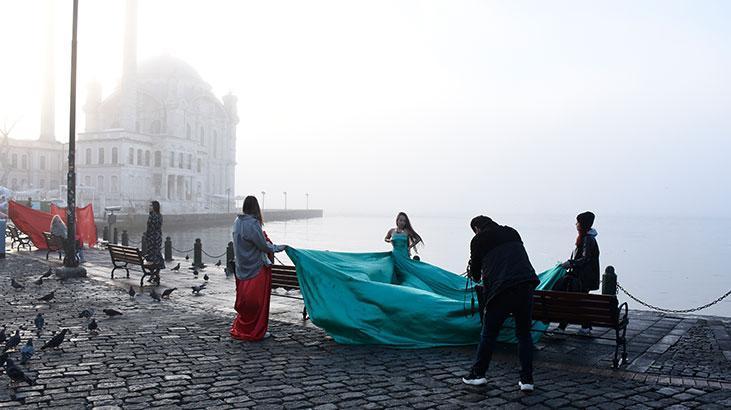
x: 101, y: 156
x: 131, y: 156
x: 199, y: 165
x: 180, y: 161
x: 115, y: 155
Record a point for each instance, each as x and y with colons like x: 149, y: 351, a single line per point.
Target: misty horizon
x: 430, y: 108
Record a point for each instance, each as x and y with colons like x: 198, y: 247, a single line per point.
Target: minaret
x: 48, y: 111
x: 128, y: 89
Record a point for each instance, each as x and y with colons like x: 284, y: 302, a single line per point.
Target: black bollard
x: 105, y: 234
x: 115, y: 236
x: 143, y: 244
x: 197, y: 253
x: 125, y: 238
x: 229, y: 252
x: 609, y: 281
x: 168, y: 249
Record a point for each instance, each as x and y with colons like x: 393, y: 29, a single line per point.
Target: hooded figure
x: 584, y: 262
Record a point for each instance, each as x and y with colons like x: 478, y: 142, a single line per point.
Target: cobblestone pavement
x: 178, y: 354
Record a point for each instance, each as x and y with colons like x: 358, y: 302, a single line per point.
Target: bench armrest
x: 623, y: 318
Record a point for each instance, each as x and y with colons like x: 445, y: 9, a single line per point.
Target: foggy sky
x: 431, y: 107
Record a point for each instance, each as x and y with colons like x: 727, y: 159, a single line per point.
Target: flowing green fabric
x: 389, y: 299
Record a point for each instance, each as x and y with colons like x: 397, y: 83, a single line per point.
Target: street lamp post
x: 285, y: 200
x: 263, y: 193
x: 70, y: 261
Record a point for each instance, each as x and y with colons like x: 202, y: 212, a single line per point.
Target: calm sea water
x: 669, y: 262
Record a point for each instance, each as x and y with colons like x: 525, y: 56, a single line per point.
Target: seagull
x: 112, y: 312
x: 197, y: 289
x: 39, y: 281
x: 16, y: 374
x: 93, y: 326
x: 39, y: 322
x: 15, y: 284
x: 166, y: 293
x: 205, y: 277
x: 131, y: 292
x: 26, y: 352
x: 48, y: 273
x: 154, y: 294
x: 218, y: 263
x: 87, y: 313
x: 55, y: 341
x: 176, y: 268
x: 48, y: 297
x: 12, y: 341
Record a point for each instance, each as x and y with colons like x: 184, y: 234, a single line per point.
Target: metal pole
x: 70, y: 260
x: 285, y: 200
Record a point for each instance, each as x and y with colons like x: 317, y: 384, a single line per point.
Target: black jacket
x: 498, y: 257
x: 584, y: 262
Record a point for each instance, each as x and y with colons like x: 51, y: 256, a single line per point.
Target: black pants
x: 517, y: 300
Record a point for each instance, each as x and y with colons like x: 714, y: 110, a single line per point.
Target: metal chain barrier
x: 214, y: 257
x: 695, y: 309
x: 178, y: 250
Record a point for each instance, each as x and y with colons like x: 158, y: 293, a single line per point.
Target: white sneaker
x: 267, y: 335
x: 474, y: 380
x: 584, y: 332
x: 525, y: 387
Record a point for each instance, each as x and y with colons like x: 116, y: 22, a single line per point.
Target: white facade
x: 181, y: 150
x: 33, y: 165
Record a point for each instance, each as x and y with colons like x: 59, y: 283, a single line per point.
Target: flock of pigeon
x: 11, y: 343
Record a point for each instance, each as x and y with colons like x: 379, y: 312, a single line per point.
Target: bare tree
x: 5, y: 131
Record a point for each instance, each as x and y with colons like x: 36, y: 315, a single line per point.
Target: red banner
x: 33, y: 222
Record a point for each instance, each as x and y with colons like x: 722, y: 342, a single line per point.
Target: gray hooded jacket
x: 251, y: 247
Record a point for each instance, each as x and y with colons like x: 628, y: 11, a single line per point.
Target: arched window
x: 101, y: 156
x: 158, y: 159
x: 131, y: 156
x: 115, y: 155
x: 88, y: 156
x: 188, y: 132
x: 180, y: 161
x: 199, y: 165
x: 100, y: 183
x: 147, y: 158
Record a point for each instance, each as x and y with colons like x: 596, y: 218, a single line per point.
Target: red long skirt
x: 252, y: 306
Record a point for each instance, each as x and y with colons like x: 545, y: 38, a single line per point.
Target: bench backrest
x: 284, y: 276
x: 54, y: 242
x: 127, y: 254
x: 14, y: 232
x: 576, y: 308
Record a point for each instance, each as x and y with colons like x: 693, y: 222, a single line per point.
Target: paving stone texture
x: 178, y: 354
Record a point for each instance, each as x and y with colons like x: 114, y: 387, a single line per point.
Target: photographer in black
x: 498, y: 257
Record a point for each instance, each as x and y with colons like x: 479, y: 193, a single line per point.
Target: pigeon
x: 205, y: 277
x: 87, y: 313
x: 132, y: 292
x: 176, y: 268
x: 197, y: 289
x: 26, y: 352
x: 93, y: 326
x: 16, y: 374
x: 48, y: 274
x: 12, y: 341
x: 38, y: 281
x: 2, y: 336
x: 48, y: 297
x: 187, y: 257
x: 39, y: 322
x: 202, y: 266
x: 154, y: 294
x: 218, y: 263
x: 166, y: 293
x: 195, y: 272
x: 15, y: 284
x: 112, y: 312
x: 55, y: 341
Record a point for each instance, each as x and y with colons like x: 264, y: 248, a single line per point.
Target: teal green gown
x: 387, y: 298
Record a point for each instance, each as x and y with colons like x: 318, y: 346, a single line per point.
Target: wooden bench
x: 18, y: 237
x: 123, y: 256
x: 585, y: 308
x: 284, y: 276
x: 54, y: 244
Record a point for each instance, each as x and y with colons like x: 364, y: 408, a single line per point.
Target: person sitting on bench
x: 58, y: 229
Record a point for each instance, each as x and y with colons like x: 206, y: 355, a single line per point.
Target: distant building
x: 162, y: 135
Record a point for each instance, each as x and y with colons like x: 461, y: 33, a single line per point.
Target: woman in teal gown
x: 389, y: 299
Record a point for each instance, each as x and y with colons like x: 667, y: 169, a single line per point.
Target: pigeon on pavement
x: 132, y: 292
x: 166, y: 293
x: 87, y: 313
x: 187, y: 257
x: 14, y: 283
x: 26, y: 352
x: 55, y: 341
x: 218, y: 263
x: 48, y: 274
x: 154, y: 295
x: 12, y: 341
x: 112, y: 312
x: 197, y: 289
x: 16, y: 374
x: 176, y: 268
x: 205, y: 277
x: 38, y: 281
x: 48, y: 297
x: 93, y: 326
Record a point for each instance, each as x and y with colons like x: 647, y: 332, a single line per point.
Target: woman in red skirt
x: 254, y: 255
